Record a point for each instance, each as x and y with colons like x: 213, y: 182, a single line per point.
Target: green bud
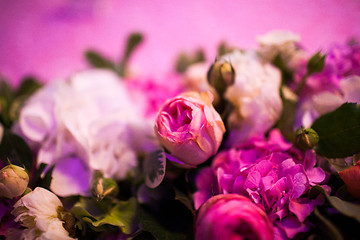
x: 103, y: 187
x: 13, y: 181
x: 306, y: 138
x: 316, y: 63
x: 220, y: 76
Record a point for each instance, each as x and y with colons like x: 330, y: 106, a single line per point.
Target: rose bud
x: 189, y: 128
x: 351, y: 177
x: 232, y: 216
x: 306, y: 138
x: 221, y: 75
x: 13, y: 181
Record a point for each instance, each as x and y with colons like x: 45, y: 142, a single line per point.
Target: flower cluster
x: 271, y: 174
x: 260, y: 144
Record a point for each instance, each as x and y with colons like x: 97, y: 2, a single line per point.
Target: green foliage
x: 97, y: 60
x: 316, y: 63
x: 106, y: 214
x: 327, y: 227
x: 185, y: 60
x: 347, y: 209
x: 287, y: 117
x: 14, y: 149
x: 339, y: 131
x: 11, y: 100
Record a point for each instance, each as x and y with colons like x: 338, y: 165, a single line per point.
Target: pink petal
x: 302, y: 208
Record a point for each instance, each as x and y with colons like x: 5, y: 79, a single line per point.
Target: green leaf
x: 316, y: 63
x: 132, y: 42
x: 98, y: 61
x: 182, y: 197
x: 326, y: 226
x: 286, y: 72
x: 154, y: 168
x: 6, y: 98
x: 27, y: 87
x: 15, y: 149
x: 101, y: 215
x: 287, y: 117
x: 122, y: 215
x: 346, y: 208
x: 339, y: 132
x: 184, y: 60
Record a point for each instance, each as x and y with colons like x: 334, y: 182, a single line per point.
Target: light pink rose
x: 189, y: 127
x: 232, y: 217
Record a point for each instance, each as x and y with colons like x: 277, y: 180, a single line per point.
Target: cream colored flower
x: 255, y: 95
x: 39, y: 210
x: 278, y: 42
x: 13, y: 181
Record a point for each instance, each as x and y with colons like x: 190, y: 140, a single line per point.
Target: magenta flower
x: 341, y: 61
x: 151, y: 93
x: 232, y: 217
x: 272, y: 174
x: 189, y: 127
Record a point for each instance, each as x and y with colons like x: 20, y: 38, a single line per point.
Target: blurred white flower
x: 85, y: 123
x: 38, y: 213
x: 255, y: 95
x: 278, y: 42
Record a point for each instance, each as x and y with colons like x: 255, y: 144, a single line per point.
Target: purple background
x: 48, y: 38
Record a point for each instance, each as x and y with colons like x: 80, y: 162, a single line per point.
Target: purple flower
x: 341, y: 61
x: 272, y: 174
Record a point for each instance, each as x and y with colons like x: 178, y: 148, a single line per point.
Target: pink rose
x: 231, y: 217
x: 351, y: 177
x: 189, y: 128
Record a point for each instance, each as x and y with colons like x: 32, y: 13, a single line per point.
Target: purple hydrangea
x: 341, y: 61
x: 272, y: 174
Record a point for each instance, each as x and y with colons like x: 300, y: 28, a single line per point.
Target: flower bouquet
x: 260, y: 144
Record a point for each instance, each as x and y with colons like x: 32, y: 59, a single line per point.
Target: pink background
x: 48, y: 38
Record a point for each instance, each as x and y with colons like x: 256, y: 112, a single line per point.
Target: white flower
x: 278, y: 42
x: 255, y: 95
x: 39, y: 210
x: 316, y: 105
x: 83, y: 124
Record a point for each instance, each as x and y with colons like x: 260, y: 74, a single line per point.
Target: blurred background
x: 47, y: 39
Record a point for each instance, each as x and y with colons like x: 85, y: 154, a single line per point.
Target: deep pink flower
x: 269, y: 172
x: 351, y: 177
x: 151, y: 93
x: 232, y: 217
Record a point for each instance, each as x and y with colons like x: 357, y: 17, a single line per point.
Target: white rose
x: 39, y: 210
x: 255, y: 95
x: 278, y: 42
